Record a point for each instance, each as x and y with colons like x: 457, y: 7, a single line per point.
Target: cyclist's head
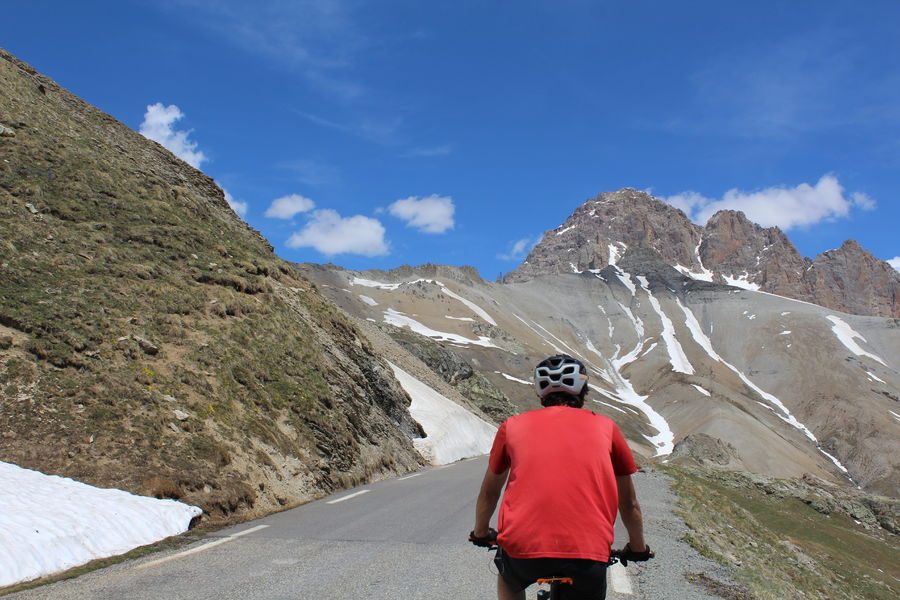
x: 561, y: 379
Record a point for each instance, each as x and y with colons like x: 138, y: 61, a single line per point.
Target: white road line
x: 197, y: 549
x: 348, y: 496
x: 619, y: 580
x: 408, y: 476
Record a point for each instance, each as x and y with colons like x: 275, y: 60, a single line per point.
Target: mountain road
x: 398, y: 538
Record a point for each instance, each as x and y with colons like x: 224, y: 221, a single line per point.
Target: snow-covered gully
x: 625, y: 393
x: 785, y: 415
x: 677, y: 357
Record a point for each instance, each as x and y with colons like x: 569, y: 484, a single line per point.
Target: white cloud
x: 158, y: 126
x: 330, y: 233
x: 784, y: 207
x: 236, y: 205
x: 520, y: 248
x: 288, y: 206
x: 895, y: 262
x: 432, y: 214
x: 431, y: 151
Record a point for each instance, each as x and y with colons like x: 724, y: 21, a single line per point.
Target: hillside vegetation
x: 150, y: 340
x: 792, y: 538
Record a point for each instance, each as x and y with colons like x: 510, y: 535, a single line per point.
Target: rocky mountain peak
x: 852, y: 280
x: 731, y: 249
x: 599, y: 232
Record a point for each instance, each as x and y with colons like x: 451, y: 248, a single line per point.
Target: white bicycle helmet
x: 560, y: 374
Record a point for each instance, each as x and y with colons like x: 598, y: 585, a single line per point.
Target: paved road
x: 400, y: 538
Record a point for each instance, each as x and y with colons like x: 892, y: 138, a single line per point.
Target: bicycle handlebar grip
x: 627, y: 554
x: 488, y: 541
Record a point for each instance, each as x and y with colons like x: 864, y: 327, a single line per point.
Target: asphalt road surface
x: 399, y: 538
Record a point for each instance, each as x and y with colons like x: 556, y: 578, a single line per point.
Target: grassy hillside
x: 150, y: 340
x: 793, y: 538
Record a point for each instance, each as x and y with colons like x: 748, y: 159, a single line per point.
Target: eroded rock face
x: 730, y: 249
x: 600, y: 230
x: 850, y: 279
x: 735, y: 247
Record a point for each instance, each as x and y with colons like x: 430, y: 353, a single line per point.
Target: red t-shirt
x: 561, y: 498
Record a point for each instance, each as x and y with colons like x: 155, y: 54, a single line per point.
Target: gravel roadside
x: 666, y: 576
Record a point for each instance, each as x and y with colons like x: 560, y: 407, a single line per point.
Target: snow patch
x: 469, y: 319
x: 848, y: 336
x: 701, y: 390
x: 452, y: 433
x: 648, y: 350
x: 375, y: 284
x: 614, y: 253
x: 569, y: 228
x: 472, y: 306
x: 516, y: 379
x: 399, y: 319
x: 785, y: 332
x: 368, y: 300
x: 875, y: 377
x: 626, y: 280
x: 608, y: 405
x: 49, y: 524
x: 741, y: 282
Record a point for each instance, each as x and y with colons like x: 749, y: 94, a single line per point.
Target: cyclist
x: 569, y: 470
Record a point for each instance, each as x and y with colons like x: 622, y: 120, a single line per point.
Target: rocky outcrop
x: 730, y: 250
x: 703, y: 449
x: 735, y: 247
x: 851, y: 280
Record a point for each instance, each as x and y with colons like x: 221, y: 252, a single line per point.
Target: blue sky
x: 405, y: 132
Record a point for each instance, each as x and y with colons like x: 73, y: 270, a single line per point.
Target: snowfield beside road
x: 49, y: 524
x: 452, y: 433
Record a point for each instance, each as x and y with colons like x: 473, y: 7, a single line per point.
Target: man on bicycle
x: 569, y: 471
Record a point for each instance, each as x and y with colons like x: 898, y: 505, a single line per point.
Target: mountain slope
x: 793, y: 387
x: 730, y: 249
x: 150, y: 340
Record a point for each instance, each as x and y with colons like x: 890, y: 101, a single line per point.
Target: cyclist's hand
x: 484, y: 542
x: 629, y: 554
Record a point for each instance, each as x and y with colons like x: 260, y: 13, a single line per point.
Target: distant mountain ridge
x: 729, y: 249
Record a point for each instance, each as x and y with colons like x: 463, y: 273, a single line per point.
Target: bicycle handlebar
x: 616, y: 555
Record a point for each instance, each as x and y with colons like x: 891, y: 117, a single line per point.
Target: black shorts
x: 588, y: 576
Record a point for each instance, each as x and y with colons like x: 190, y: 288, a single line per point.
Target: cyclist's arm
x: 491, y: 487
x: 630, y: 511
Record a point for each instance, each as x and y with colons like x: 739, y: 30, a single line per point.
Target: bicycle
x: 620, y: 555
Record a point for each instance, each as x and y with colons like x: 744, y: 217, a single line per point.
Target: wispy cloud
x: 383, y: 131
x: 431, y: 214
x: 159, y: 126
x: 785, y: 207
x: 807, y: 82
x: 520, y: 248
x: 318, y: 38
x: 431, y: 151
x: 311, y: 172
x: 330, y: 233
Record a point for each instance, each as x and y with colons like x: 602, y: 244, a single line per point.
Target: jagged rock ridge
x: 730, y: 249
